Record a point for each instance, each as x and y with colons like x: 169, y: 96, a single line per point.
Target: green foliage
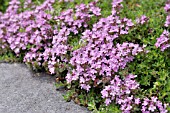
x: 3, y: 5
x: 153, y: 69
x: 7, y: 55
x: 109, y: 109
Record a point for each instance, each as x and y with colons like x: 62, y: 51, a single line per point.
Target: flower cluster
x: 164, y: 40
x: 167, y: 22
x: 142, y: 20
x: 100, y: 57
x: 31, y: 32
x: 123, y: 93
x: 153, y: 105
x: 116, y: 6
x: 29, y: 4
x: 5, y: 24
x: 26, y: 28
x: 68, y: 25
x: 73, y: 21
x: 128, y: 103
x: 119, y: 89
x: 167, y: 9
x: 102, y: 60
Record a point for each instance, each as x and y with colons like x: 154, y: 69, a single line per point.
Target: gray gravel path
x: 21, y: 92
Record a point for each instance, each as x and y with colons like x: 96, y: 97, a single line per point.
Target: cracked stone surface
x: 22, y: 92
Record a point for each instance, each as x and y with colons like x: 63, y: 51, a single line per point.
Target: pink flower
x: 152, y: 108
x: 107, y: 101
x: 137, y: 101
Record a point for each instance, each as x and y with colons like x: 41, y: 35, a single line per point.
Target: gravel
x: 23, y: 92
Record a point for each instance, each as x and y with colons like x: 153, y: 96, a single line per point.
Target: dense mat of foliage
x: 111, y: 56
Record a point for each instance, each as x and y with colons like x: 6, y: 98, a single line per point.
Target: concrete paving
x: 22, y: 92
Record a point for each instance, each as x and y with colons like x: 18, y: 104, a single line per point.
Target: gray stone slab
x: 22, y: 92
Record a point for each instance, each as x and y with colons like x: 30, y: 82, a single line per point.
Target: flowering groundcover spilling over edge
x: 46, y: 45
